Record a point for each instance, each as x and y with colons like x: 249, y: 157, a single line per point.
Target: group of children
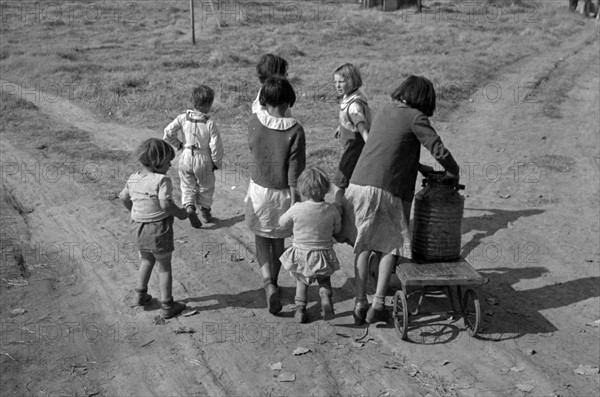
x: 370, y: 210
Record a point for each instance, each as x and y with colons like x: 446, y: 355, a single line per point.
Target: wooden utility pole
x: 192, y: 21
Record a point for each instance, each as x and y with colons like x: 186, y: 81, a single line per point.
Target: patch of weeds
x: 70, y: 56
x: 52, y: 24
x: 182, y: 64
x: 235, y: 58
x: 289, y: 50
x: 128, y: 85
x: 10, y: 103
x: 79, y: 69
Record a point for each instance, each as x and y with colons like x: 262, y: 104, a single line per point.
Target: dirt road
x: 528, y: 146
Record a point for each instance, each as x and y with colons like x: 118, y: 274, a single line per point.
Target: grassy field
x: 134, y: 62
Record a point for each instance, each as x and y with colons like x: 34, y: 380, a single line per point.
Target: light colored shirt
x: 145, y: 189
x: 314, y: 223
x: 199, y: 132
x: 354, y: 109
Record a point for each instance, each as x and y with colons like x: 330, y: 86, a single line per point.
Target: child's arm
x: 364, y: 131
x: 294, y: 195
x: 216, y: 145
x: 337, y: 225
x: 296, y: 162
x: 170, y: 133
x: 126, y: 198
x: 287, y: 219
x: 356, y: 114
x: 432, y: 141
x: 172, y: 209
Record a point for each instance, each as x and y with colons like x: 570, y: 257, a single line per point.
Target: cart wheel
x: 471, y: 312
x: 400, y: 313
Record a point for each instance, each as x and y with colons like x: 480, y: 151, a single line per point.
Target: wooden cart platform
x: 419, y: 279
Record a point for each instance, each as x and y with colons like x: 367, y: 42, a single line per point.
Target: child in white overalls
x: 202, y: 154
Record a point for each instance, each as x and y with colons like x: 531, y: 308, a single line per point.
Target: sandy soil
x: 530, y: 227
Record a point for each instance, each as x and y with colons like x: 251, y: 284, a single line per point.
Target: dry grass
x: 135, y: 63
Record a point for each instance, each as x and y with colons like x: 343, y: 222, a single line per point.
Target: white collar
x: 275, y: 123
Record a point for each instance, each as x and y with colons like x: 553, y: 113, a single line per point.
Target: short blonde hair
x: 351, y: 74
x: 313, y: 183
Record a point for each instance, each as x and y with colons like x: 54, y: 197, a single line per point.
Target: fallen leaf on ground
x: 529, y: 352
x: 491, y: 301
x: 195, y: 362
x: 18, y: 311
x: 301, y: 350
x: 276, y: 366
x: 286, y: 377
x: 594, y: 324
x: 181, y: 241
x: 190, y: 313
x: 445, y: 362
x: 504, y: 196
x: 525, y: 387
x: 412, y: 371
x: 586, y: 370
x: 391, y: 366
x: 248, y: 313
x: 510, y: 225
x: 519, y: 368
x: 184, y: 330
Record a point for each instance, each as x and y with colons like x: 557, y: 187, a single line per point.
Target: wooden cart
x: 421, y: 279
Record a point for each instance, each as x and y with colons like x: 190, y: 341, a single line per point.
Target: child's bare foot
x: 194, y: 220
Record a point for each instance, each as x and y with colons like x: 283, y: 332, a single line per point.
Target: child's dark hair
x: 277, y: 91
x: 351, y: 74
x: 418, y: 93
x: 154, y: 153
x: 202, y: 96
x: 313, y: 183
x: 270, y: 65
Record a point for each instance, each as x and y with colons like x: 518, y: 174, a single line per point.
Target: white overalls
x: 202, y: 155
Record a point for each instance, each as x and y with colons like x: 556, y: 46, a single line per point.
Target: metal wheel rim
x: 471, y: 312
x: 400, y: 313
